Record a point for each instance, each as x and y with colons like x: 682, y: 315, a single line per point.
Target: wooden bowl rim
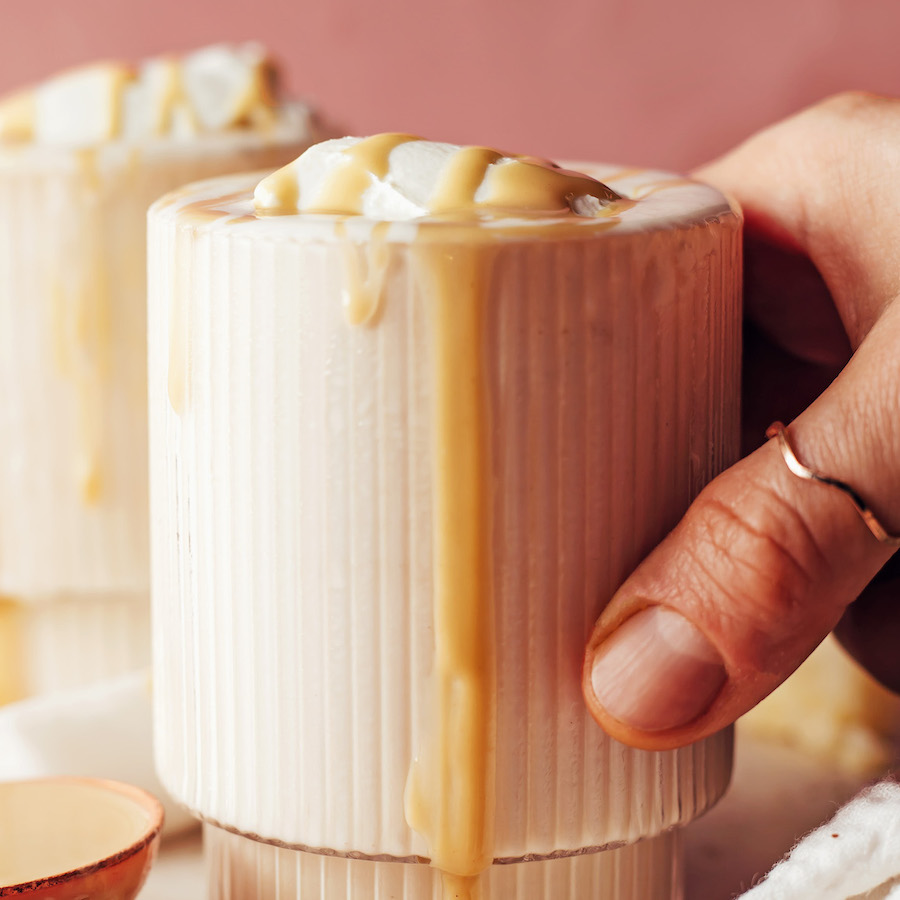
x: 145, y: 800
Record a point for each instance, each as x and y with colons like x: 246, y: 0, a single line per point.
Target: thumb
x: 764, y: 563
x: 760, y: 569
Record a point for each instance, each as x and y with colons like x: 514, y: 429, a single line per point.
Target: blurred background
x: 646, y: 82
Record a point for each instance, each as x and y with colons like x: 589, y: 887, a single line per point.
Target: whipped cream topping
x: 214, y: 89
x: 397, y: 177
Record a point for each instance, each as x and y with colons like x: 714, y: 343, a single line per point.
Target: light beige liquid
x: 450, y: 794
x: 12, y: 685
x: 37, y: 837
x: 73, y: 221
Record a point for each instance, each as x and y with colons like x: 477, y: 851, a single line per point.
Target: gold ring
x: 777, y: 430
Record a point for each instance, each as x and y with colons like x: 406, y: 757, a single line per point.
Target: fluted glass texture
x: 74, y: 535
x: 239, y: 868
x: 293, y: 504
x: 73, y: 357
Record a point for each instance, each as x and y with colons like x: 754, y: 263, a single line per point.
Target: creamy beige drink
x: 416, y: 410
x: 82, y: 156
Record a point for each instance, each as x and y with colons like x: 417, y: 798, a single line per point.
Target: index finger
x: 824, y: 185
x: 763, y: 564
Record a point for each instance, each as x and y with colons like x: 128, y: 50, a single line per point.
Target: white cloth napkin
x: 855, y: 856
x: 104, y: 730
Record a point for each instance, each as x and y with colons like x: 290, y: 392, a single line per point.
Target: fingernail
x: 656, y: 671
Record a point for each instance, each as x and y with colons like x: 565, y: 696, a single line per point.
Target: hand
x: 765, y: 564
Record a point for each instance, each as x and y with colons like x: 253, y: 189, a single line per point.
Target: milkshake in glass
x: 82, y: 156
x: 416, y: 411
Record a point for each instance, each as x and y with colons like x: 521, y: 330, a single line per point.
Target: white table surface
x: 777, y: 795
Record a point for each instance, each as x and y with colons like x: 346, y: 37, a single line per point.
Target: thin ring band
x: 777, y: 430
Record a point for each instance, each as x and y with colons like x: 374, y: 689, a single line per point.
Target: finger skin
x: 824, y: 184
x: 764, y: 564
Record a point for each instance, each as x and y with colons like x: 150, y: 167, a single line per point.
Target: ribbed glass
x: 242, y: 869
x: 73, y: 414
x: 292, y: 510
x: 70, y: 642
x: 74, y: 535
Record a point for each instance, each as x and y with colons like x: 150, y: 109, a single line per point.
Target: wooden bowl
x: 76, y: 838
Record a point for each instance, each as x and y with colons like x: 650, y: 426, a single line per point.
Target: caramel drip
x: 474, y: 181
x: 450, y: 793
x: 86, y: 159
x: 257, y: 106
x: 12, y: 678
x: 528, y: 184
x: 460, y: 887
x: 174, y: 99
x: 451, y: 788
x: 284, y: 185
x: 123, y: 76
x: 17, y: 117
x: 342, y: 192
x: 366, y: 269
x: 253, y: 106
x: 92, y: 309
x: 461, y: 178
x: 81, y: 309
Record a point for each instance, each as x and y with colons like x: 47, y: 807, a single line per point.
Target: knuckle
x: 841, y: 158
x: 855, y: 116
x: 848, y: 104
x: 866, y: 124
x: 761, y: 557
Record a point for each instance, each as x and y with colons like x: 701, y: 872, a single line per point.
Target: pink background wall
x: 653, y: 82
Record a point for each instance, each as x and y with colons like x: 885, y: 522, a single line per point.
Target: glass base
x: 240, y: 868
